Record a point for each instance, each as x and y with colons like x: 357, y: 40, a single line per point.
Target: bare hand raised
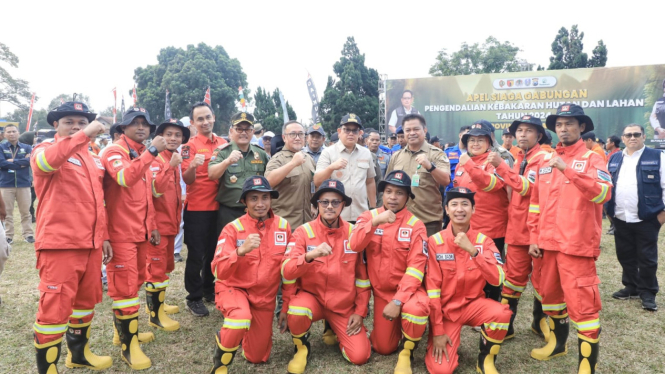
x: 252, y: 242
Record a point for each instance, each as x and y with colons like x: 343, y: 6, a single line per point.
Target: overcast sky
x: 94, y: 46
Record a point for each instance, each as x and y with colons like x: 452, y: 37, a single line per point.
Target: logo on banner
x: 280, y: 238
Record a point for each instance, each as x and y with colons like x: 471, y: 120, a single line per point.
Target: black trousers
x: 32, y: 202
x: 493, y: 292
x: 226, y: 215
x: 201, y: 239
x: 637, y: 250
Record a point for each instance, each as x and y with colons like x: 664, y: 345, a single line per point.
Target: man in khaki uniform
x: 352, y: 164
x: 428, y: 168
x: 291, y: 173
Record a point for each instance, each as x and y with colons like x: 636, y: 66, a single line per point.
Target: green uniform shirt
x: 253, y: 162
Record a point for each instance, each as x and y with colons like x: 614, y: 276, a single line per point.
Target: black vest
x: 649, y: 192
x: 401, y: 113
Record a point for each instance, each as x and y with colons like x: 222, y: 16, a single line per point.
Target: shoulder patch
x: 603, y: 175
x: 531, y: 177
x: 498, y: 258
x: 222, y: 146
x: 184, y: 152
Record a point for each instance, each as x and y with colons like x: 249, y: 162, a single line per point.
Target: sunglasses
x: 350, y: 131
x: 635, y: 135
x: 325, y: 203
x: 246, y: 130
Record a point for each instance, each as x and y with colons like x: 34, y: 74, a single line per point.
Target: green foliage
x: 492, y: 57
x: 268, y: 110
x: 354, y: 91
x: 187, y: 73
x: 20, y: 114
x: 567, y: 50
x: 12, y: 90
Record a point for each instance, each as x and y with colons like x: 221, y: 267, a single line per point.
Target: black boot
x: 539, y: 324
x: 487, y: 356
x: 80, y: 355
x: 556, y: 345
x: 302, y: 350
x: 223, y: 358
x: 512, y: 304
x: 48, y: 355
x: 132, y: 354
x: 588, y: 349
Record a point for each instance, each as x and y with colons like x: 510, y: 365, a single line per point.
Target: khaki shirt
x: 427, y: 205
x: 354, y: 175
x: 295, y: 190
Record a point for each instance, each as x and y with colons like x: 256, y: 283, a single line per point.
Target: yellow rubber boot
x: 223, y: 358
x: 80, y: 356
x: 168, y: 309
x: 144, y: 337
x: 556, y: 344
x: 407, y: 346
x: 540, y: 325
x: 298, y: 363
x: 329, y: 337
x: 158, y: 318
x: 128, y: 327
x: 487, y: 357
x: 588, y: 349
x: 48, y: 355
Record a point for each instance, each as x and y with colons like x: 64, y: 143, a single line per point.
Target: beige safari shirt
x: 427, y: 204
x: 295, y: 191
x: 354, y: 175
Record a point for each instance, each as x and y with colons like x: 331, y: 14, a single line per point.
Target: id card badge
x: 313, y: 188
x: 415, y: 179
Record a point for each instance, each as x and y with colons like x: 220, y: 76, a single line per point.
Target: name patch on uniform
x: 155, y: 168
x: 240, y: 242
x: 98, y: 162
x: 498, y: 258
x: 347, y: 247
x: 445, y: 257
x: 579, y: 165
x: 603, y: 175
x: 531, y: 177
x: 459, y: 173
x: 256, y: 162
x: 311, y: 248
x: 546, y: 170
x: 74, y: 161
x: 378, y: 232
x: 425, y: 250
x: 404, y: 234
x: 280, y: 238
x: 649, y: 162
x: 114, y: 157
x: 453, y: 156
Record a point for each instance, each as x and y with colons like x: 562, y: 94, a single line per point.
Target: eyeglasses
x: 406, y: 98
x: 635, y: 135
x: 246, y: 130
x: 294, y: 135
x: 477, y: 141
x: 350, y: 131
x: 325, y: 203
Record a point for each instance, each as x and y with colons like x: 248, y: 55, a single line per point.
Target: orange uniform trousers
x: 519, y: 267
x: 355, y: 349
x: 569, y: 284
x: 246, y: 322
x: 126, y: 274
x: 386, y: 335
x: 493, y: 318
x: 70, y: 285
x: 160, y: 262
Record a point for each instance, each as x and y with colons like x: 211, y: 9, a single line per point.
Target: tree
x: 567, y: 50
x: 187, y: 73
x: 20, y: 114
x: 356, y: 90
x: 12, y: 90
x: 492, y: 57
x: 268, y: 110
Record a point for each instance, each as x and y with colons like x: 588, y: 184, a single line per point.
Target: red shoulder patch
x: 222, y: 146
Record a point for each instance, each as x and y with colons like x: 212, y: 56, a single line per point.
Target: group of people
x: 310, y: 233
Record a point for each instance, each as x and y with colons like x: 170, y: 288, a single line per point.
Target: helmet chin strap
x: 329, y: 223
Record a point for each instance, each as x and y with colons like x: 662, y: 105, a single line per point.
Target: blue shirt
x: 396, y: 148
x: 385, y: 149
x: 15, y: 173
x: 453, y: 153
x: 384, y: 159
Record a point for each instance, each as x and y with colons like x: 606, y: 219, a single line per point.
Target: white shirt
x: 626, y: 189
x: 393, y: 117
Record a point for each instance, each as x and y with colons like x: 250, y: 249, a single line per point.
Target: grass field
x: 632, y: 340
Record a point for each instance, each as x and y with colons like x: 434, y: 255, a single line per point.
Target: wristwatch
x: 397, y: 302
x: 432, y: 169
x: 153, y: 150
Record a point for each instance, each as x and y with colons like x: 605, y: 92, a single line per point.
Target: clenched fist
x: 463, y: 242
x: 464, y: 158
x: 159, y: 142
x: 298, y: 158
x: 385, y: 217
x: 423, y: 161
x: 176, y: 160
x: 234, y: 157
x: 558, y: 163
x: 495, y: 159
x: 339, y: 164
x: 93, y: 129
x: 198, y: 160
x: 321, y: 250
x: 252, y: 242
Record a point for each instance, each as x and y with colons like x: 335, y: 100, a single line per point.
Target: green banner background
x: 627, y: 94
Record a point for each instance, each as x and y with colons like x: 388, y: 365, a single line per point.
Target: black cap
x: 242, y: 117
x: 315, y: 128
x: 477, y: 129
x: 531, y: 120
x: 463, y: 192
x: 174, y: 122
x: 399, y: 130
x: 397, y: 178
x: 486, y: 124
x: 70, y: 108
x: 351, y: 118
x: 134, y: 112
x: 334, y: 137
x: 589, y: 135
x: 506, y: 131
x: 115, y: 129
x: 331, y: 185
x: 392, y: 135
x: 570, y: 110
x: 257, y: 183
x: 434, y: 139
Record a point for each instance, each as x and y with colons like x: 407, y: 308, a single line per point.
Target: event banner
x: 612, y: 97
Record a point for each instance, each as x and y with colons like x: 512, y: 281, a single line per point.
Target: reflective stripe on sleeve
x: 415, y: 273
